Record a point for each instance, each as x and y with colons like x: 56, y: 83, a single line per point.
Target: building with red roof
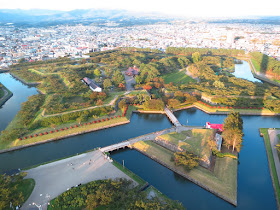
x: 219, y: 127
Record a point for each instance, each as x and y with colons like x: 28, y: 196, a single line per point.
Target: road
x: 54, y: 178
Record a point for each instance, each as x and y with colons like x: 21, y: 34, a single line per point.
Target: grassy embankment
x: 271, y: 163
x: 194, y: 141
x: 129, y: 173
x: 177, y: 77
x: 61, y: 134
x: 3, y: 98
x: 241, y: 111
x: 222, y: 181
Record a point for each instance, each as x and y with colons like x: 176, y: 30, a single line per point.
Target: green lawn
x: 273, y: 172
x: 177, y: 77
x: 25, y: 186
x: 256, y: 65
x: 194, y: 141
x: 223, y: 180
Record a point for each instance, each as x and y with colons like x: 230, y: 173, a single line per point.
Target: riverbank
x: 7, y: 95
x: 20, y: 144
x: 272, y: 159
x: 222, y: 182
x: 259, y: 76
x: 23, y: 81
x: 4, y: 70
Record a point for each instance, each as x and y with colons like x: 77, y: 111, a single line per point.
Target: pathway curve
x: 54, y: 178
x: 273, y: 142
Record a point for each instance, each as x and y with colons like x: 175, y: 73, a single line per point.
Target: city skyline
x: 202, y: 8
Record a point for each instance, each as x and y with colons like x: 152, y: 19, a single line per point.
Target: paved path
x: 273, y: 141
x: 54, y: 178
x: 129, y: 80
x: 172, y: 117
x: 150, y: 136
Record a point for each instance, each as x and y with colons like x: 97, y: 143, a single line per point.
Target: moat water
x: 255, y: 190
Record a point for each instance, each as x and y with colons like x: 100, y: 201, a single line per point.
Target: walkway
x: 54, y: 178
x: 172, y: 117
x: 273, y: 142
x: 150, y: 136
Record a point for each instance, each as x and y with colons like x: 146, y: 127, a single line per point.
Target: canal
x: 255, y: 189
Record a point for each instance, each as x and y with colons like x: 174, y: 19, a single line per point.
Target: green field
x: 222, y: 180
x: 177, y: 77
x: 256, y: 65
x: 194, y: 141
x: 273, y: 172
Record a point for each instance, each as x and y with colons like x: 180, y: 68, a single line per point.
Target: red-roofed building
x: 132, y: 71
x: 219, y: 127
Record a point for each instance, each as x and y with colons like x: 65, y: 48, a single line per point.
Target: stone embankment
x: 233, y: 202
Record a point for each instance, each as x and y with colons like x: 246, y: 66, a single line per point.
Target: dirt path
x: 54, y: 178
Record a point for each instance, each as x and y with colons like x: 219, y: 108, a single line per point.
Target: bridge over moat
x: 150, y: 136
x: 172, y: 117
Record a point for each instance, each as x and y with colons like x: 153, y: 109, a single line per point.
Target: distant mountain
x: 49, y: 17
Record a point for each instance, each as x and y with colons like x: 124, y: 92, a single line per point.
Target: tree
x: 107, y: 83
x: 232, y: 134
x: 219, y: 84
x: 122, y: 104
x: 196, y: 57
x: 97, y: 72
x: 147, y: 87
x: 188, y: 160
x: 173, y: 103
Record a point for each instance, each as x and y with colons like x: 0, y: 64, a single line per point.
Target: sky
x: 197, y: 8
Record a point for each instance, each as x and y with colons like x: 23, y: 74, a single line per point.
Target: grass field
x: 177, y: 77
x: 241, y: 111
x: 256, y: 65
x: 194, y: 141
x: 223, y: 180
x: 273, y: 172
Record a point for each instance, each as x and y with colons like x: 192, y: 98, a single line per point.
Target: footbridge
x: 150, y: 136
x: 172, y: 117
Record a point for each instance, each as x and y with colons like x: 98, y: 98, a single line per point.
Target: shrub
x: 56, y: 130
x: 51, y: 131
x: 46, y: 133
x: 119, y: 116
x: 93, y: 122
x: 30, y: 136
x: 35, y: 135
x: 61, y: 129
x: 40, y: 134
x: 85, y: 123
x: 65, y: 128
x: 25, y: 137
x: 20, y: 139
x: 115, y: 116
x: 107, y: 118
x: 89, y: 123
x: 102, y: 120
x: 76, y: 126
